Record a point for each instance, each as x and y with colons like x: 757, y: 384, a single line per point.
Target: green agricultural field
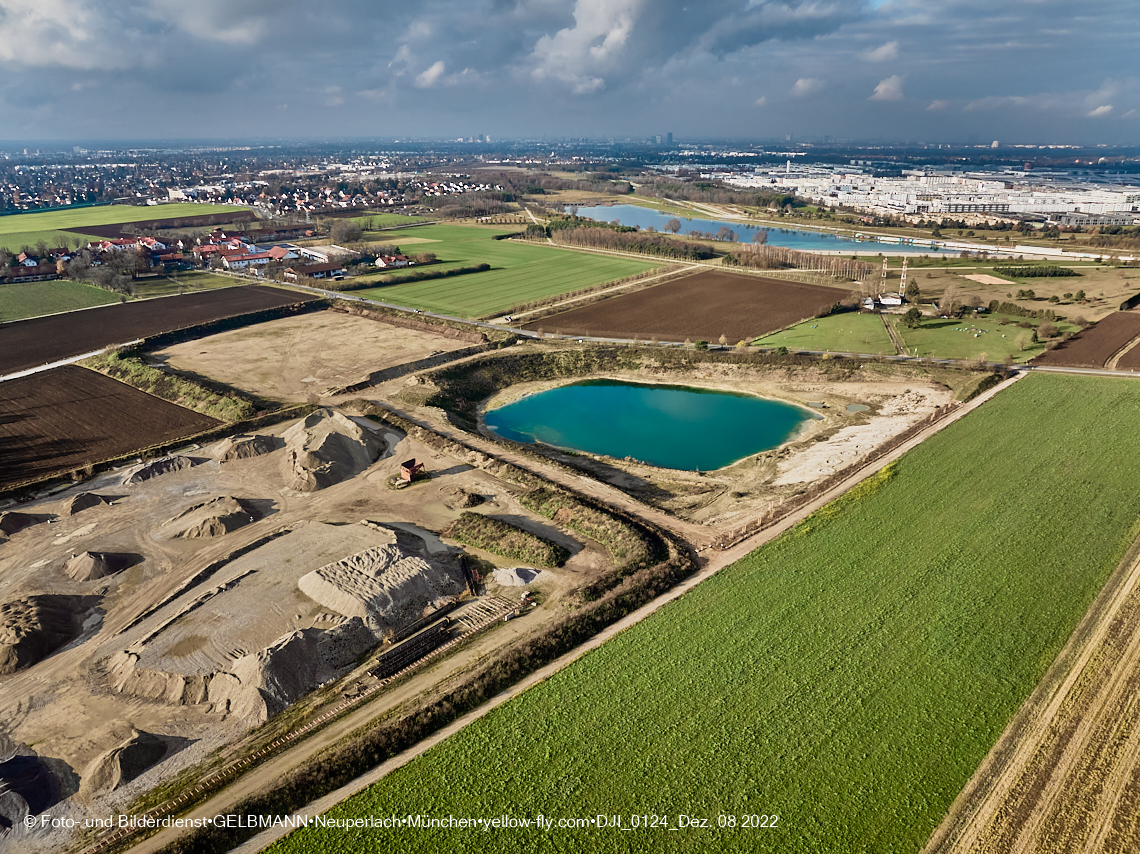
x: 375, y: 221
x: 27, y: 229
x: 849, y: 332
x: 520, y: 272
x: 848, y: 677
x: 177, y: 283
x: 34, y: 299
x: 970, y: 339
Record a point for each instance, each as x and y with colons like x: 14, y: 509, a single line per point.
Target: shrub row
x: 502, y: 538
x: 1047, y: 271
x: 404, y: 278
x: 1018, y: 311
x: 228, y: 406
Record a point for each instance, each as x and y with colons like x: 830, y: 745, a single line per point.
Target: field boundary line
x: 983, y: 796
x: 69, y: 361
x: 717, y: 563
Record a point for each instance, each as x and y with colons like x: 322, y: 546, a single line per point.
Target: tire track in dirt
x: 1057, y: 776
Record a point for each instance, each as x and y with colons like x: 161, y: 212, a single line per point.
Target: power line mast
x: 883, y: 278
x: 902, y: 281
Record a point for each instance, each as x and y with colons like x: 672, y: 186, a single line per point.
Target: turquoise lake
x: 669, y: 426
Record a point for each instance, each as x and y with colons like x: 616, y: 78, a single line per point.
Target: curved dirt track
x: 1065, y: 775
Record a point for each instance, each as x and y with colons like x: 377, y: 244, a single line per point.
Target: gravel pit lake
x: 675, y: 427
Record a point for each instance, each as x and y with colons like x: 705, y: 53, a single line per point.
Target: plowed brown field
x: 67, y: 417
x: 1095, y: 346
x: 43, y: 340
x: 705, y: 305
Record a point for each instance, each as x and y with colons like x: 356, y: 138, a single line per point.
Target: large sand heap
x: 386, y: 586
x: 121, y: 764
x: 12, y: 522
x: 84, y: 500
x: 210, y: 518
x: 326, y: 448
x: 27, y: 787
x: 245, y: 447
x: 156, y: 468
x: 263, y: 683
x: 88, y: 566
x: 518, y: 576
x: 31, y: 629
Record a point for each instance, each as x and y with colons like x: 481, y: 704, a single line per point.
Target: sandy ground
x: 1065, y: 775
x: 63, y: 705
x: 296, y: 358
x: 986, y: 279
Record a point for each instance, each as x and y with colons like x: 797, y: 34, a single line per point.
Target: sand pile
x: 260, y: 685
x: 27, y: 787
x: 88, y: 566
x: 210, y: 519
x: 12, y: 522
x: 326, y: 448
x: 84, y: 500
x: 518, y: 576
x: 245, y: 447
x: 177, y: 689
x: 156, y: 468
x: 387, y: 586
x: 121, y: 764
x: 31, y: 629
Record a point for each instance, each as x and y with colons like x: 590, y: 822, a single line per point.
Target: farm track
x: 1064, y: 776
x: 1111, y: 340
x: 263, y: 776
x: 900, y: 347
x: 1113, y: 361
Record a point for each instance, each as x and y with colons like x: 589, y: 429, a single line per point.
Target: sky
x: 1019, y: 71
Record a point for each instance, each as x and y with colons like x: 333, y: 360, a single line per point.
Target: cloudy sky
x: 1037, y: 71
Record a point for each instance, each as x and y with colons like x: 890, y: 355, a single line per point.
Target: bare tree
x: 673, y: 226
x: 760, y: 237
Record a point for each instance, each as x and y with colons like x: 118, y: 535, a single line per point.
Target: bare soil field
x: 1096, y: 346
x: 66, y: 417
x: 30, y: 343
x: 296, y: 357
x: 1065, y: 776
x: 705, y: 306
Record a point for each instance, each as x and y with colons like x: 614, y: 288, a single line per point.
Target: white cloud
x: 938, y: 105
x: 1102, y: 110
x: 885, y: 52
x: 63, y: 33
x: 889, y: 89
x: 582, y: 54
x: 806, y: 86
x: 427, y: 79
x: 761, y: 101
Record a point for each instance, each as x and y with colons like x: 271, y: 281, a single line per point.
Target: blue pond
x: 790, y: 238
x: 668, y: 426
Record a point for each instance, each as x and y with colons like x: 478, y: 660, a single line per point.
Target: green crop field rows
x: 849, y: 332
x: 520, y: 272
x: 848, y: 677
x: 33, y: 299
x: 27, y: 229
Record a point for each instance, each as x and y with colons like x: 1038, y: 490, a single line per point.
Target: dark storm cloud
x: 899, y: 69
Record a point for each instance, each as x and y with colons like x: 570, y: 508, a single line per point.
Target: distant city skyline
x: 1023, y: 71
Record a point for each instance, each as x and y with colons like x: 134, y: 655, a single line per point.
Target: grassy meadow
x: 849, y: 332
x: 520, y: 272
x: 34, y: 299
x: 847, y: 677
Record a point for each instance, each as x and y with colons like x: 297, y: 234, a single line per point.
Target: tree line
x: 763, y: 257
x: 631, y: 241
